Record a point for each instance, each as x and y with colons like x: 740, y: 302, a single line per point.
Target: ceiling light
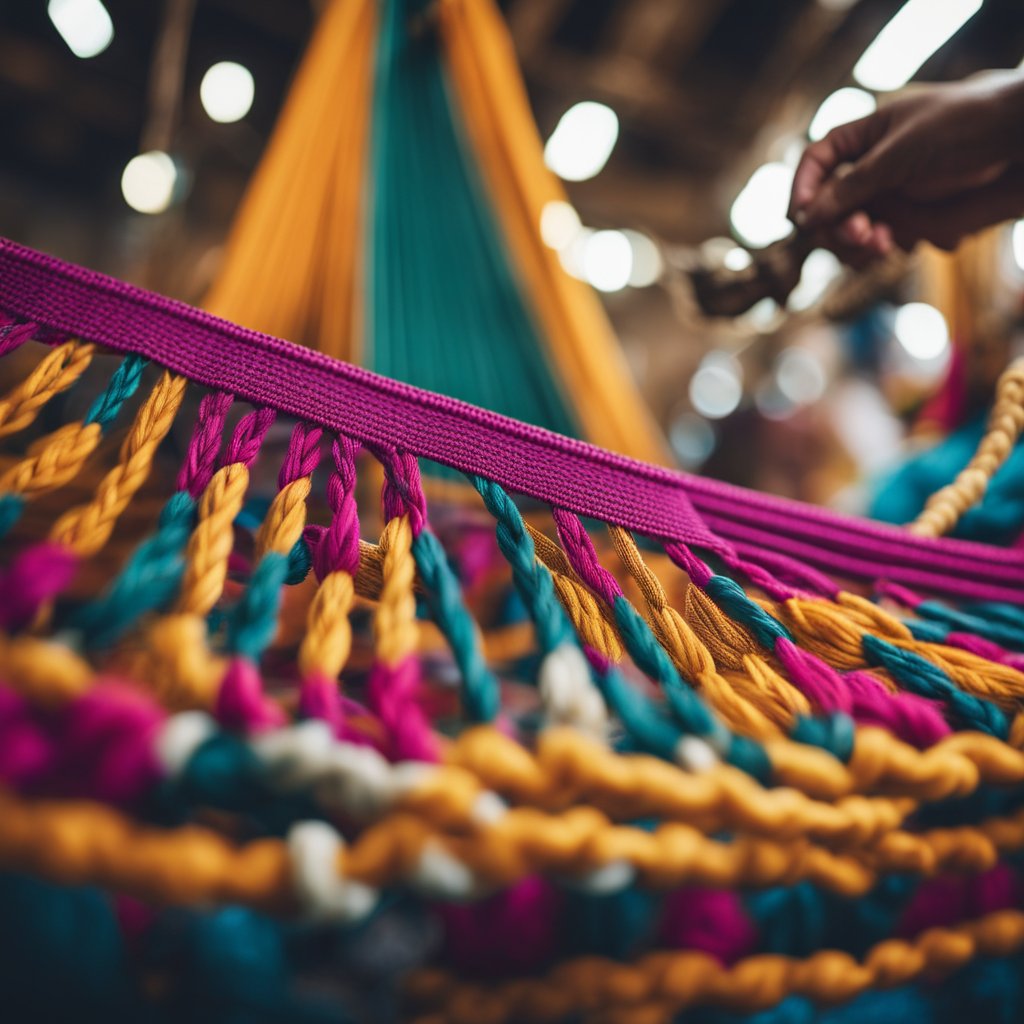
x: 148, y: 182
x: 758, y: 214
x: 918, y: 29
x: 608, y: 260
x: 647, y: 261
x: 559, y: 224
x: 227, y: 92
x: 582, y: 141
x: 1017, y: 237
x: 842, y: 107
x: 84, y: 25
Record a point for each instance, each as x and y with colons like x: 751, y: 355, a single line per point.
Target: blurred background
x: 130, y: 131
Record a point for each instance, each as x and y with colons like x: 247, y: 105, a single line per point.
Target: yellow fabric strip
x: 292, y: 264
x: 500, y: 126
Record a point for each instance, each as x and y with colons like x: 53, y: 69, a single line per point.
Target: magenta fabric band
x: 378, y: 412
x: 528, y: 460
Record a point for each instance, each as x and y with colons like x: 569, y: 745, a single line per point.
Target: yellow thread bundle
x: 395, y: 630
x: 86, y: 529
x: 54, y: 373
x: 691, y: 656
x: 523, y: 842
x: 660, y: 985
x: 328, y: 640
x: 1006, y: 421
x: 52, y: 461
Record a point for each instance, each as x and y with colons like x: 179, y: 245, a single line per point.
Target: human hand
x: 937, y: 164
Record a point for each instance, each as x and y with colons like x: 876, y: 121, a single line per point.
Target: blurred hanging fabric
x: 394, y: 222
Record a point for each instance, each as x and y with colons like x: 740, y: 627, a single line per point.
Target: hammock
x: 766, y: 801
x: 394, y: 222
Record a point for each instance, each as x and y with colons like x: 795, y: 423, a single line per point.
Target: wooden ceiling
x: 704, y: 90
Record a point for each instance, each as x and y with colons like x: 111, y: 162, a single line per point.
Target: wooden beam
x: 532, y: 23
x: 663, y: 34
x: 34, y: 69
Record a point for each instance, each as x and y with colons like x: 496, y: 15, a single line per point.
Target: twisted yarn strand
x: 54, y: 460
x: 151, y: 577
x: 567, y: 691
x: 87, y: 528
x: 520, y: 843
x: 328, y: 639
x: 690, y: 656
x: 254, y: 619
x: 213, y: 537
x: 55, y: 372
x: 944, y: 508
x: 395, y: 622
x: 394, y: 681
x: 177, y: 661
x: 660, y: 985
x: 286, y: 516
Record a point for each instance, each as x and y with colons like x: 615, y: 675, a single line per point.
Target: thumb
x: 850, y: 188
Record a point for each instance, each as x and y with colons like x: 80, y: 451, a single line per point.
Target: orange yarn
x: 660, y: 985
x: 54, y: 373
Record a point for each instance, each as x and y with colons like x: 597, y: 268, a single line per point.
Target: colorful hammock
x: 769, y: 802
x: 394, y: 222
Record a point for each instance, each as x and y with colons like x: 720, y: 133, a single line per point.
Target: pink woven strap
x: 528, y: 460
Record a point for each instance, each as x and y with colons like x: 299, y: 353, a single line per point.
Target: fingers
x: 852, y: 187
x: 858, y: 241
x: 946, y: 222
x: 855, y: 230
x: 821, y: 160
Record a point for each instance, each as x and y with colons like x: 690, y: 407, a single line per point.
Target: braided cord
x: 123, y: 384
x: 252, y: 622
x: 177, y: 661
x: 327, y: 641
x: 651, y: 657
x: 661, y: 985
x: 394, y: 681
x: 481, y: 694
x: 689, y: 654
x: 151, y: 577
x: 87, y: 528
x: 531, y: 578
x: 568, y: 767
x: 566, y: 689
x: 944, y: 508
x: 210, y: 544
x: 57, y: 458
x: 57, y: 371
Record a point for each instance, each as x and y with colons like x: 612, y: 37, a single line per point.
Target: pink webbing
x: 528, y: 460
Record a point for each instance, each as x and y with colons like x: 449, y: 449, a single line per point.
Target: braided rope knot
x: 403, y: 487
x: 944, y: 508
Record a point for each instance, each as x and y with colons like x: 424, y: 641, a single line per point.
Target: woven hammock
x: 394, y: 221
x: 765, y: 795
